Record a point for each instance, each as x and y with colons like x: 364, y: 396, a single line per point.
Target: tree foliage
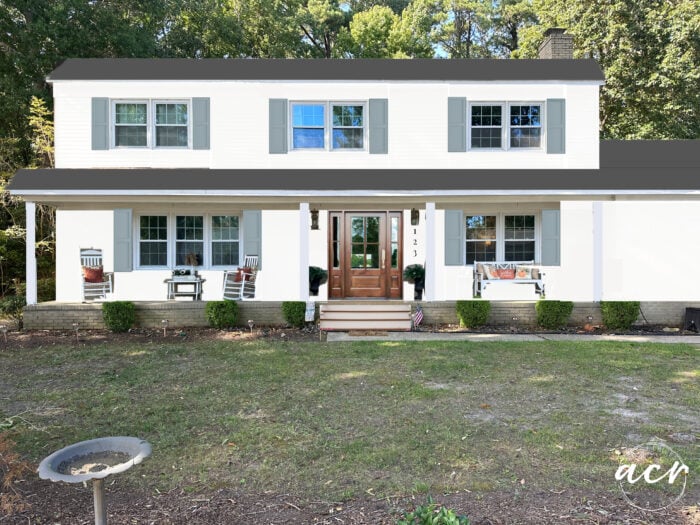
x: 650, y: 53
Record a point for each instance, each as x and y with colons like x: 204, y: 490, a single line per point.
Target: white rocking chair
x: 240, y: 284
x: 96, y: 283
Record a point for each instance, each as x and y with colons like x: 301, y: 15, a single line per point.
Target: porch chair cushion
x: 93, y: 274
x: 244, y: 273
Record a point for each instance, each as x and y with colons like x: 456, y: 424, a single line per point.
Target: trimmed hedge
x: 553, y: 314
x: 619, y: 315
x: 294, y: 313
x: 119, y: 316
x: 473, y: 314
x: 221, y: 314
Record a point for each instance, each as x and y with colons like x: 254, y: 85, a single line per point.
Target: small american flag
x: 418, y: 316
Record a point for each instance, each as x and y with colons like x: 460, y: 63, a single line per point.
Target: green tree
x: 510, y: 17
x: 463, y: 27
x: 412, y: 34
x: 320, y: 22
x: 650, y: 53
x: 370, y: 33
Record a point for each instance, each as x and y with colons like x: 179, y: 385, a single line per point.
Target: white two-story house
x: 361, y: 167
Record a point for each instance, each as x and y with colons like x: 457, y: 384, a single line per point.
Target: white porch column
x: 30, y: 211
x: 597, y: 251
x: 304, y: 226
x: 430, y: 256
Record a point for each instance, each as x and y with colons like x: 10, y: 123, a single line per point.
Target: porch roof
x: 627, y: 167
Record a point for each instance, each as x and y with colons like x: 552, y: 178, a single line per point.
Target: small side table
x: 193, y: 288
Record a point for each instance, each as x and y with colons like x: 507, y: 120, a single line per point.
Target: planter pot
x: 418, y: 287
x: 314, y: 285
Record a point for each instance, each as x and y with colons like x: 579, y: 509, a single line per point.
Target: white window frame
x: 505, y: 124
x: 501, y: 230
x: 328, y: 124
x: 150, y: 122
x: 113, y: 128
x: 171, y: 240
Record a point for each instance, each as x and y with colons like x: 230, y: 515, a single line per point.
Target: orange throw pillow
x: 93, y: 274
x: 505, y: 273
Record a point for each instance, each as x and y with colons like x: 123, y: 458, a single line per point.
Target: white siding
x: 239, y: 124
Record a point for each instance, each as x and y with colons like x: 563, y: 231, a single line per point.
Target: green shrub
x: 12, y: 306
x: 619, y: 315
x: 118, y: 316
x: 221, y: 314
x: 553, y: 314
x: 432, y: 514
x: 294, y: 312
x: 473, y: 313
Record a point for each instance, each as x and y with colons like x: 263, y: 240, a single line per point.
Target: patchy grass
x: 342, y: 420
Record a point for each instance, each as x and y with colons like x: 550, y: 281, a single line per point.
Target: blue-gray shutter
x: 252, y: 234
x: 123, y: 245
x: 100, y: 123
x: 378, y: 125
x: 556, y: 125
x: 454, y: 238
x: 278, y: 125
x: 200, y: 123
x: 551, y: 238
x: 456, y: 124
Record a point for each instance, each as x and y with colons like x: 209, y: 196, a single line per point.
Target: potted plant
x: 317, y: 277
x: 415, y: 273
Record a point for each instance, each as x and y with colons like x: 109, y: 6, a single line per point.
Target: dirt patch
x: 46, y: 338
x: 72, y: 504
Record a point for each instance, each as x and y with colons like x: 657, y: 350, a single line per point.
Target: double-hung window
x: 327, y: 125
x: 153, y: 240
x: 131, y: 124
x: 525, y: 125
x: 189, y: 240
x: 486, y: 126
x: 171, y: 124
x: 225, y: 242
x: 151, y: 124
x: 500, y: 237
x: 505, y: 125
x: 183, y: 240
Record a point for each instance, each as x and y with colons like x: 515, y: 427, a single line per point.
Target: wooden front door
x: 365, y: 254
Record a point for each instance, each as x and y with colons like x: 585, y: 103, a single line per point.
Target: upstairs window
x: 151, y: 124
x: 171, y: 125
x: 525, y: 126
x: 327, y: 125
x: 505, y: 126
x: 131, y: 124
x: 308, y: 126
x: 486, y: 126
x: 348, y: 127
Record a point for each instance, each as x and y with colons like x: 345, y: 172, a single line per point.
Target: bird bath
x: 94, y: 460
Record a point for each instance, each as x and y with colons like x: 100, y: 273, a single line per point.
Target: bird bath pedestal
x: 94, y: 460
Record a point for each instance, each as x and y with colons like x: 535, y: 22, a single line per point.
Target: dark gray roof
x: 625, y: 166
x: 319, y: 69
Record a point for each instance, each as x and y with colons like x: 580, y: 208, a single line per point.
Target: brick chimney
x: 557, y: 44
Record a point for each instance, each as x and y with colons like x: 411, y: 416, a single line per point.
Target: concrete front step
x: 368, y: 316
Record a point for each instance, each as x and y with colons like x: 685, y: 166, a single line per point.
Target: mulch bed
x: 47, y: 338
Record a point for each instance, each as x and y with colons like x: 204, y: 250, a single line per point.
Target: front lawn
x: 341, y: 421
